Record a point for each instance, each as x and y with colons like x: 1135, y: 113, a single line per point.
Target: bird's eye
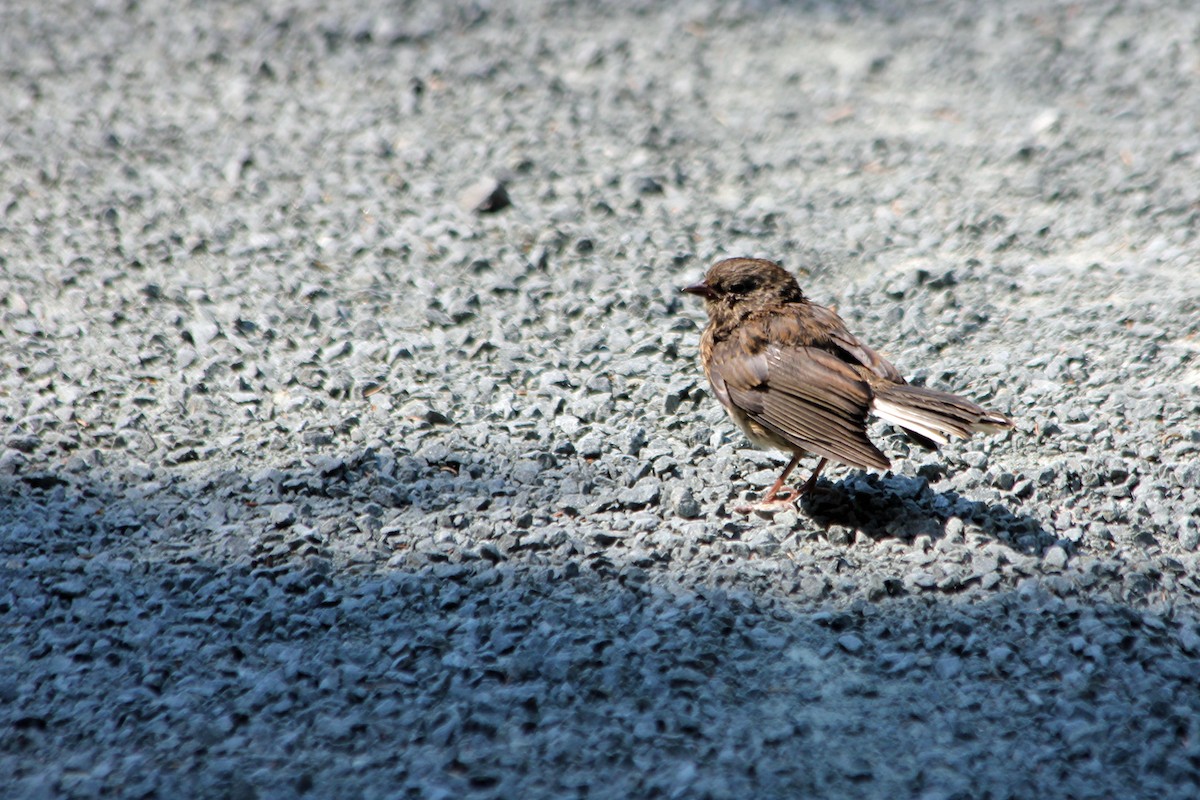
x: 743, y: 286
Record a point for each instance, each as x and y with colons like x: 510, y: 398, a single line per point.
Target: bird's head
x: 747, y: 282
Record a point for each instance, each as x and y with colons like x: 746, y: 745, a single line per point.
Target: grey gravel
x: 352, y: 440
x: 488, y: 195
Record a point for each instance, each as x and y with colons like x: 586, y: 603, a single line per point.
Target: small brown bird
x: 793, y: 378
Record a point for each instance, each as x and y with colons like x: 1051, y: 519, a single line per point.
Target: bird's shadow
x: 904, y: 507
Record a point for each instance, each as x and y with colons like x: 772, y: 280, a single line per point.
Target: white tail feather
x: 914, y: 420
x: 990, y: 427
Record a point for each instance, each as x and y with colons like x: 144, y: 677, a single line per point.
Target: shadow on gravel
x: 900, y: 506
x: 144, y: 658
x: 444, y: 477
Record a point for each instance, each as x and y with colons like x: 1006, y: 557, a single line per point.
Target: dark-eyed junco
x: 793, y: 378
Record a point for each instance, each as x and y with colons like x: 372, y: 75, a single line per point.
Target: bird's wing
x: 849, y: 348
x: 804, y: 394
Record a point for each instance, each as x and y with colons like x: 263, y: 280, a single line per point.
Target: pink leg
x: 772, y: 498
x: 792, y: 496
x: 774, y: 490
x: 811, y: 483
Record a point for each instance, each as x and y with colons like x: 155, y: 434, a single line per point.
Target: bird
x: 793, y: 378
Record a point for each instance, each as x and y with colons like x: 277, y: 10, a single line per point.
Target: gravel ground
x: 352, y: 439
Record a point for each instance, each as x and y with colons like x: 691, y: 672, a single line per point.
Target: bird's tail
x: 933, y: 417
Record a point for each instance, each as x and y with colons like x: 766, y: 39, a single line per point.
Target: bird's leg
x: 769, y: 497
x: 779, y: 493
x: 811, y: 483
x: 779, y: 496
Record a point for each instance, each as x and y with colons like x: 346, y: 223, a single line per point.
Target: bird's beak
x: 700, y: 289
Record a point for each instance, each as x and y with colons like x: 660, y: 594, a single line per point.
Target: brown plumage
x: 793, y: 378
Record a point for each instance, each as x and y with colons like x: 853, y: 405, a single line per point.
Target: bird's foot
x: 787, y: 495
x: 783, y: 499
